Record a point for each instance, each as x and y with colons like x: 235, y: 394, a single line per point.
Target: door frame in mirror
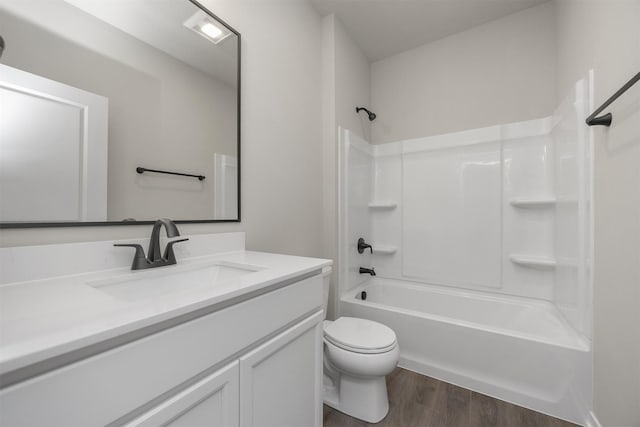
x: 7, y: 225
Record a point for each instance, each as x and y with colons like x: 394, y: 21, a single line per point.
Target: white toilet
x: 358, y: 353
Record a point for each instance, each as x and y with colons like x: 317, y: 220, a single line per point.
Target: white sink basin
x: 145, y: 284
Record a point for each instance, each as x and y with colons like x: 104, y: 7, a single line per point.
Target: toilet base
x: 362, y: 398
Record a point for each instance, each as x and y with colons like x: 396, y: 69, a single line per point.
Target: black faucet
x: 370, y: 271
x: 154, y: 258
x: 362, y: 246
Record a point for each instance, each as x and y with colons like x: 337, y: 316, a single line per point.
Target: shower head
x: 1, y: 46
x: 372, y: 116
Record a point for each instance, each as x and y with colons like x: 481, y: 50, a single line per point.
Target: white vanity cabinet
x: 257, y: 362
x: 213, y: 401
x: 280, y: 381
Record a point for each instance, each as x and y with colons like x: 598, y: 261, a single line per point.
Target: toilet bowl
x: 358, y: 353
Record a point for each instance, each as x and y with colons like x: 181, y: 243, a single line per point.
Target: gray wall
x: 499, y: 72
x: 605, y: 35
x: 281, y: 135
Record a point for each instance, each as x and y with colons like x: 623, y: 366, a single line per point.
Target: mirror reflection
x: 100, y: 98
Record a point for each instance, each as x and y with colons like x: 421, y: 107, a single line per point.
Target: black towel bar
x: 605, y: 120
x: 143, y: 170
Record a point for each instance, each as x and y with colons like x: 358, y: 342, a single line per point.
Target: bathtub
x: 515, y: 349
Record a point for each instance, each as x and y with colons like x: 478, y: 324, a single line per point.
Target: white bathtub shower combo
x: 482, y: 249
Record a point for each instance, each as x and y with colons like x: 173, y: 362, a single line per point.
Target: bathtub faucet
x: 370, y: 271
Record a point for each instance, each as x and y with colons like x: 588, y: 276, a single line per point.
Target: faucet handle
x: 362, y: 246
x: 168, y: 251
x: 139, y: 260
x: 139, y: 250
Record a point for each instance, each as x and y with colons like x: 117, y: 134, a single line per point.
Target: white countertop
x: 41, y: 319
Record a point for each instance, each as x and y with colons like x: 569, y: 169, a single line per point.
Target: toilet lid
x: 360, y: 335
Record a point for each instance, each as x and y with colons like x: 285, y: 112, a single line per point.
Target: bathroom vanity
x: 226, y: 337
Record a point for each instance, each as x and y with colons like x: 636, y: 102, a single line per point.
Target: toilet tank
x: 326, y: 284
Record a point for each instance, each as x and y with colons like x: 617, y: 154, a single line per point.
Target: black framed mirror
x: 117, y: 113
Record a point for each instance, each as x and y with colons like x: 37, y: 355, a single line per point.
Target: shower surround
x: 482, y: 247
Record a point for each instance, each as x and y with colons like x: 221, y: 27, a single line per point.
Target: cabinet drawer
x: 105, y: 387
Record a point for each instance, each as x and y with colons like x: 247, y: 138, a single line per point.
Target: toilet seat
x: 360, y: 335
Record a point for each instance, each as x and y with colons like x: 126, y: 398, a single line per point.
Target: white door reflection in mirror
x: 56, y: 171
x: 226, y: 186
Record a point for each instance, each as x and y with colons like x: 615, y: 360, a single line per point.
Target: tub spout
x: 370, y: 271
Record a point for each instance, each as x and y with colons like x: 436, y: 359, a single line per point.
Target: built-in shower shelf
x: 539, y: 203
x: 533, y: 261
x: 385, y: 249
x: 383, y: 204
x: 569, y: 201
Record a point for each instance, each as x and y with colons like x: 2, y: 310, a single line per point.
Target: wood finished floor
x: 419, y: 401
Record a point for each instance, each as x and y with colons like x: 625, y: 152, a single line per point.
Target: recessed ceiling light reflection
x: 205, y: 26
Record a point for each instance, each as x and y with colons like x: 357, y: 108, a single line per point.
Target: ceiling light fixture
x: 211, y: 30
x: 206, y: 26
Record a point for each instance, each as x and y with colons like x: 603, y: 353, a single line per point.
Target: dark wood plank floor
x: 417, y: 400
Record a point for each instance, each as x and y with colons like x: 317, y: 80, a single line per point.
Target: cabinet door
x: 280, y: 381
x: 211, y: 402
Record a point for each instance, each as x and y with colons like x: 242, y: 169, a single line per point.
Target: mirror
x: 117, y: 112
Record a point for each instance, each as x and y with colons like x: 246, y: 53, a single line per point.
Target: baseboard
x: 592, y: 421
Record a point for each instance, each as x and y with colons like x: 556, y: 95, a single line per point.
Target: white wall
x: 281, y: 135
x: 346, y: 84
x: 605, y: 35
x: 353, y: 83
x: 499, y: 72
